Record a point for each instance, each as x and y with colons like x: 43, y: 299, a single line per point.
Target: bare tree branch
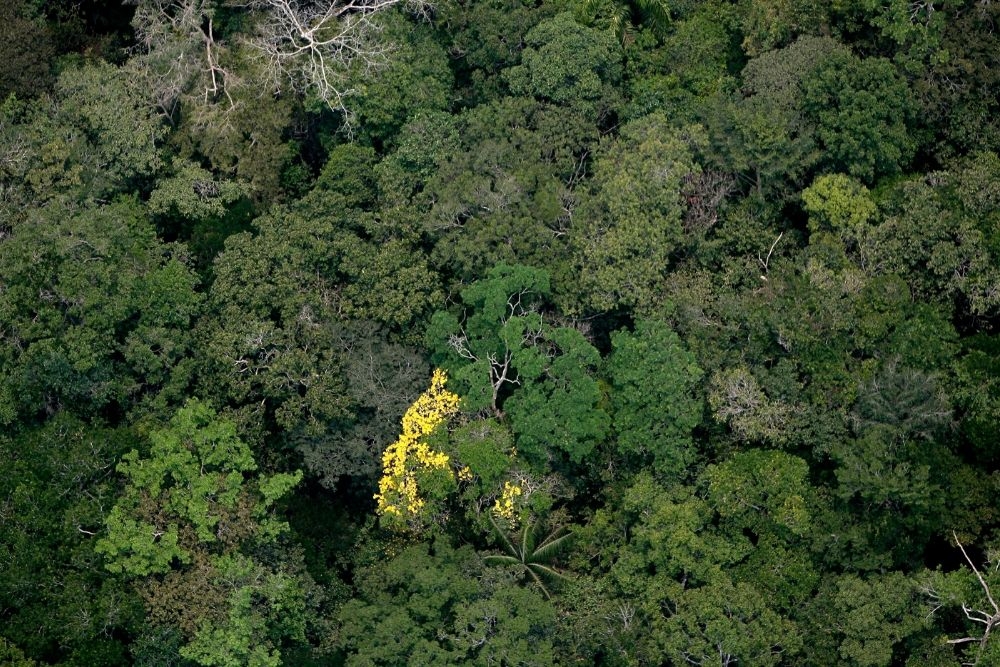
x: 311, y: 45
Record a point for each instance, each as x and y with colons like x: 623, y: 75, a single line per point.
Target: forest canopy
x: 499, y: 332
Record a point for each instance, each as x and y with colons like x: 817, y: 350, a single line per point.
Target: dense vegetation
x: 499, y: 332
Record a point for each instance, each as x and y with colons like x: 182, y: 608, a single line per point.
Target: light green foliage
x: 236, y: 640
x: 192, y: 510
x: 194, y: 475
x: 565, y: 62
x: 559, y: 405
x: 13, y: 656
x: 632, y: 224
x: 193, y: 193
x: 674, y: 573
x: 654, y: 396
x: 838, y: 203
x: 669, y: 534
x: 761, y: 491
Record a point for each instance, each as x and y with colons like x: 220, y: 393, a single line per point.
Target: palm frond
x: 505, y: 541
x: 538, y: 568
x: 528, y: 538
x: 656, y: 14
x: 553, y: 545
x: 541, y: 584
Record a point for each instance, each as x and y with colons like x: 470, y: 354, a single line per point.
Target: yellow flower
x: 408, y: 455
x: 504, y: 505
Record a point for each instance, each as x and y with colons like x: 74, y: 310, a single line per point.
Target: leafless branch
x: 311, y: 45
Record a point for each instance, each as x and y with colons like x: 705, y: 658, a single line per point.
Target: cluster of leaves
x: 714, y: 284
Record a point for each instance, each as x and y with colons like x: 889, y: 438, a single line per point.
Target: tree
x: 57, y: 603
x: 529, y: 554
x: 508, y: 359
x: 775, y: 141
x: 761, y: 491
x: 309, y: 46
x: 863, y: 620
x: 26, y: 52
x: 188, y: 529
x: 979, y: 607
x: 565, y: 63
x: 864, y: 114
x: 93, y: 138
x: 498, y: 183
x: 631, y: 227
x: 285, y: 308
x: 414, y: 78
x: 654, y: 396
x: 840, y: 204
x: 97, y: 312
x: 437, y: 605
x: 409, y: 465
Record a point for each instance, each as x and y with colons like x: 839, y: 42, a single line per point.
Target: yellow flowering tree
x: 409, y: 465
x: 428, y: 462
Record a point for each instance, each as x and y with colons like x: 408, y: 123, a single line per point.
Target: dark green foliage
x: 96, y: 312
x: 716, y: 283
x: 26, y: 52
x: 58, y: 602
x: 864, y: 115
x: 654, y: 380
x: 440, y: 608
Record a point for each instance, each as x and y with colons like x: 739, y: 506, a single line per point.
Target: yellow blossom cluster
x: 398, y: 493
x: 504, y: 506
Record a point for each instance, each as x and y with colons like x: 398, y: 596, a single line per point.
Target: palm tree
x: 527, y: 553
